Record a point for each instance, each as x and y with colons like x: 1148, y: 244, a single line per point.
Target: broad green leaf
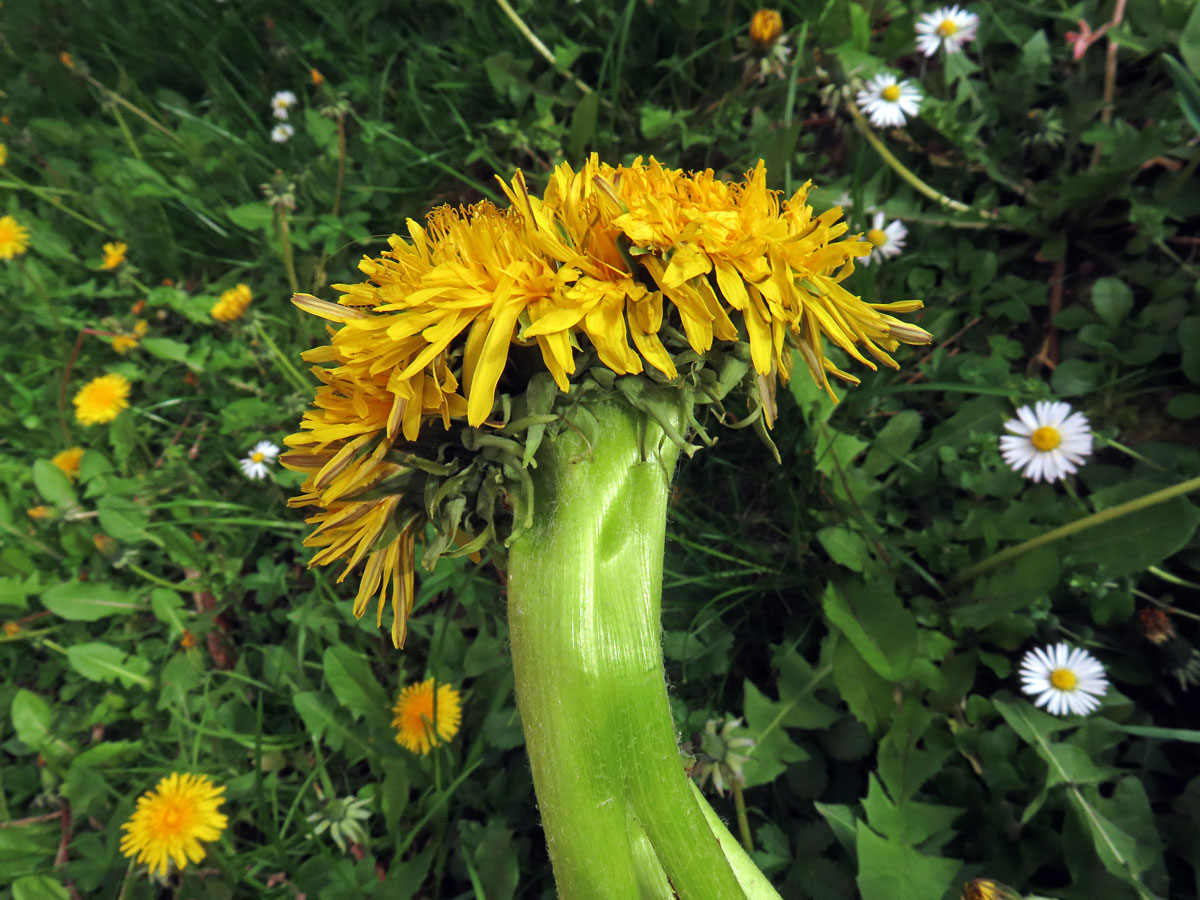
x: 583, y: 125
x: 355, y: 687
x: 85, y: 601
x: 39, y: 887
x: 53, y: 486
x: 124, y: 520
x: 1011, y: 588
x: 876, y: 622
x: 497, y: 864
x: 842, y: 822
x: 1135, y: 541
x: 797, y: 683
x: 845, y: 547
x: 1112, y: 300
x: 893, y: 442
x: 102, y: 662
x: 31, y: 717
x: 108, y: 753
x: 1189, y: 43
x: 1118, y: 849
x: 904, y: 763
x: 890, y: 870
x: 867, y: 694
x: 165, y: 348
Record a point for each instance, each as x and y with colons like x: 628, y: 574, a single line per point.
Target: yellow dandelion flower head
x: 14, y: 238
x: 232, y: 304
x: 627, y: 275
x: 986, y: 889
x: 102, y: 399
x: 38, y: 512
x: 427, y: 715
x: 12, y: 629
x: 67, y: 461
x: 114, y: 255
x: 3, y: 154
x: 171, y: 821
x: 123, y: 343
x: 765, y: 26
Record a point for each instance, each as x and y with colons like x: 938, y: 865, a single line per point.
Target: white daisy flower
x: 1047, y: 441
x: 282, y: 133
x: 889, y: 102
x: 255, y: 465
x: 281, y: 103
x: 885, y: 242
x: 949, y: 27
x: 1064, y: 679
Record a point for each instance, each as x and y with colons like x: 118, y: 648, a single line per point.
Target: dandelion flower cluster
x: 14, y: 238
x: 171, y: 821
x: 232, y: 304
x: 263, y: 454
x: 889, y: 102
x: 67, y: 461
x: 102, y: 399
x: 885, y: 242
x: 1063, y: 679
x: 1047, y: 441
x: 633, y: 270
x: 948, y: 28
x: 427, y: 715
x: 114, y: 255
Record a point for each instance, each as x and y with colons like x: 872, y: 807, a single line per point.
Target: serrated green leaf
x: 876, y: 622
x: 890, y: 870
x: 845, y: 547
x: 351, y: 681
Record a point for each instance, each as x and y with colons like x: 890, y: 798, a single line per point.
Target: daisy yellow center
x: 1064, y: 679
x: 1046, y: 438
x: 257, y: 456
x: 877, y: 236
x: 891, y: 93
x: 948, y: 28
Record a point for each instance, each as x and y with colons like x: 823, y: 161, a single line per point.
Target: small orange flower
x: 12, y: 629
x: 5, y: 120
x: 168, y: 282
x: 106, y: 545
x: 765, y: 26
x: 67, y: 60
x: 187, y: 641
x: 1156, y: 625
x: 123, y: 343
x: 317, y: 78
x: 37, y: 512
x: 138, y: 308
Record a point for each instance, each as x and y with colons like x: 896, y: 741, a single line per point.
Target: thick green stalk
x: 584, y: 598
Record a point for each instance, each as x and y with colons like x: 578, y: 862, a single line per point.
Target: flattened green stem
x: 584, y: 598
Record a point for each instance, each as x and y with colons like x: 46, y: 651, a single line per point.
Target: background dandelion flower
x: 171, y: 821
x: 1063, y: 679
x: 102, y: 399
x: 425, y: 719
x: 67, y: 461
x: 232, y: 304
x: 114, y: 255
x: 14, y: 238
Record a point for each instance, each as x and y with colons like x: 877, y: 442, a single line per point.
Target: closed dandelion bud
x: 765, y: 26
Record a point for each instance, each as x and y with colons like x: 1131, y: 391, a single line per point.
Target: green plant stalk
x: 1099, y: 518
x: 285, y: 239
x: 584, y: 599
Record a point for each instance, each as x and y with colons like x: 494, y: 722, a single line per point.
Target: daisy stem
x: 584, y: 596
x: 903, y: 171
x: 739, y: 805
x: 1099, y: 518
